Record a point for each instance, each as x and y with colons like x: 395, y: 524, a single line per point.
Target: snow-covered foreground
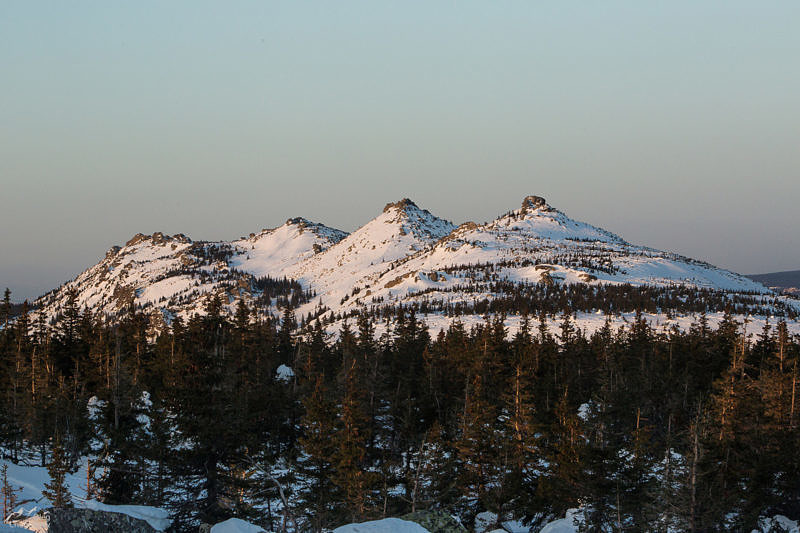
x: 30, y: 480
x: 568, y: 524
x: 387, y: 525
x: 236, y: 525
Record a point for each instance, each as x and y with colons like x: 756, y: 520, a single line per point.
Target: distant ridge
x: 787, y: 281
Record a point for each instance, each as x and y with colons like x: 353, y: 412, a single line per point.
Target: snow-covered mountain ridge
x: 405, y: 255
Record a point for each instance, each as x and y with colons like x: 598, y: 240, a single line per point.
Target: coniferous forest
x: 294, y: 428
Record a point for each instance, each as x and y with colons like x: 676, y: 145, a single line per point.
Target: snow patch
x: 777, y: 523
x: 387, y: 525
x: 568, y: 524
x: 284, y: 373
x: 487, y: 519
x: 236, y: 525
x: 31, y: 480
x: 157, y: 518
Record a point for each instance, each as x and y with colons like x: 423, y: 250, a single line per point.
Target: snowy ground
x: 235, y: 525
x: 589, y: 322
x: 387, y: 525
x: 31, y: 480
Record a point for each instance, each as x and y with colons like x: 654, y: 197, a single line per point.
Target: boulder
x: 70, y: 520
x: 435, y: 521
x: 236, y: 525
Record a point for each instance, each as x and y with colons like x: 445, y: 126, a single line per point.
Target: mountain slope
x: 400, y: 231
x: 172, y: 275
x: 274, y: 252
x: 538, y: 243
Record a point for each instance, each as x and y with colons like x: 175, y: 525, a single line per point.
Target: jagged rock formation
x: 533, y: 202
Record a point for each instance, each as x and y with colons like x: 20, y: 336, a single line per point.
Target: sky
x: 674, y: 124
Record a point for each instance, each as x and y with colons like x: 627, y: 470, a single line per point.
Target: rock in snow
x: 71, y: 520
x: 776, y: 524
x: 387, y: 525
x: 568, y: 524
x: 435, y: 521
x: 236, y: 525
x: 157, y: 518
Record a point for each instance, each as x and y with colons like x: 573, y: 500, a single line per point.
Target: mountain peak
x: 298, y: 226
x: 534, y: 202
x: 299, y: 221
x: 402, y: 205
x: 158, y: 238
x: 410, y: 218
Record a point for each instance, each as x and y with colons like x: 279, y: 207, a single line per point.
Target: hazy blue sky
x: 675, y: 124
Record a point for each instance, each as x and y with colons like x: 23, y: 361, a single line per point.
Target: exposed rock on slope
x: 173, y: 275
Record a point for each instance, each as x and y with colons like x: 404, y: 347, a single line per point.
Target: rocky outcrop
x: 136, y: 239
x: 435, y: 521
x: 298, y: 221
x: 157, y: 238
x: 55, y: 520
x: 533, y: 202
x: 401, y: 205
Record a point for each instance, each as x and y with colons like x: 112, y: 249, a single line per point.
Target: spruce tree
x: 478, y: 449
x: 518, y: 432
x: 565, y: 454
x: 56, y: 490
x: 353, y: 434
x: 320, y: 497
